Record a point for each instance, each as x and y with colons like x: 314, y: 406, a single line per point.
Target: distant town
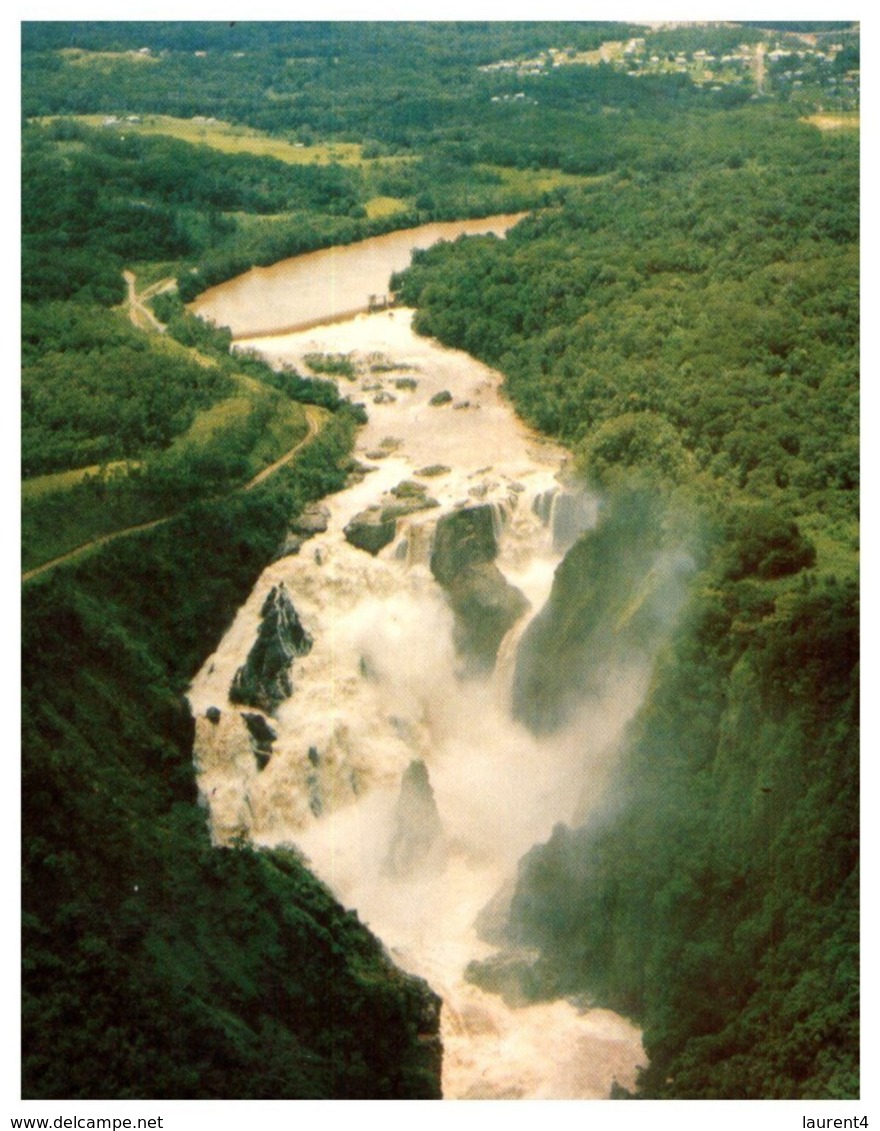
x: 822, y: 72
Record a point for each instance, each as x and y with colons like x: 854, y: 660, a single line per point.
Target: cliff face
x: 714, y: 897
x: 615, y: 598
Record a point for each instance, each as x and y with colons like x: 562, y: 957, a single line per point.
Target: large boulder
x: 463, y: 538
x: 485, y: 604
x: 264, y: 681
x: 373, y: 528
x: 314, y: 519
x: 370, y: 531
x: 486, y: 608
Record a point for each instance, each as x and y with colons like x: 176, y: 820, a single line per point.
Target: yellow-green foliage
x: 384, y: 206
x: 40, y: 485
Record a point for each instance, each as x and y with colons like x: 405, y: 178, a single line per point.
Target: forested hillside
x: 694, y: 336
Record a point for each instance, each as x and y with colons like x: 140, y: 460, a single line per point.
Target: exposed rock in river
x: 464, y: 538
x: 370, y: 531
x: 485, y: 604
x: 263, y: 681
x: 314, y: 520
x: 375, y: 527
x: 416, y: 841
x: 262, y: 737
x: 486, y: 607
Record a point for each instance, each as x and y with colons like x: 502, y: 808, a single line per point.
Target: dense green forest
x: 681, y: 310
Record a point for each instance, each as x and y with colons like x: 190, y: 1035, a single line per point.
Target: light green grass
x: 384, y: 206
x: 286, y: 428
x: 40, y: 485
x: 848, y: 120
x: 229, y: 138
x: 540, y: 180
x: 212, y: 422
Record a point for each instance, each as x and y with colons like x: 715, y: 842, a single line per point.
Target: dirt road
x: 315, y: 418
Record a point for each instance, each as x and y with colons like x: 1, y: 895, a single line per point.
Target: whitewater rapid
x: 382, y: 687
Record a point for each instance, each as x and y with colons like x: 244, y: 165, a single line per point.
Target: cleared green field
x: 229, y: 138
x: 384, y: 206
x: 540, y: 180
x: 41, y: 485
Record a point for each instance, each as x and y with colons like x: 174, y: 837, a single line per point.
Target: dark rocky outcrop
x: 373, y: 528
x: 462, y: 539
x: 263, y: 681
x: 485, y: 604
x: 416, y: 844
x: 313, y: 520
x: 512, y: 974
x: 262, y: 736
x: 409, y: 489
x: 370, y: 531
x: 486, y: 607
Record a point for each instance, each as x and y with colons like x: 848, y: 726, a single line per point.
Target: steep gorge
x: 398, y: 766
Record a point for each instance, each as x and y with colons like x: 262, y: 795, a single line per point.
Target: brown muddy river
x: 327, y: 285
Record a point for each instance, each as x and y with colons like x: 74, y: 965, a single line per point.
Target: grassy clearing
x: 286, y: 428
x: 846, y: 121
x: 40, y: 485
x: 229, y: 138
x: 68, y: 509
x: 210, y: 424
x: 103, y: 60
x: 384, y: 206
x: 540, y: 180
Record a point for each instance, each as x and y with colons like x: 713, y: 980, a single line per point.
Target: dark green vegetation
x: 95, y: 390
x: 122, y: 427
x: 695, y: 338
x: 689, y: 319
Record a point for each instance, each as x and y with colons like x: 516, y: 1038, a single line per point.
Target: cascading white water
x: 381, y: 688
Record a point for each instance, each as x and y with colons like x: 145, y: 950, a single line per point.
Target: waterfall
x: 410, y: 789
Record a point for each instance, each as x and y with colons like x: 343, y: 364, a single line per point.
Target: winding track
x: 315, y: 418
x: 140, y: 315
